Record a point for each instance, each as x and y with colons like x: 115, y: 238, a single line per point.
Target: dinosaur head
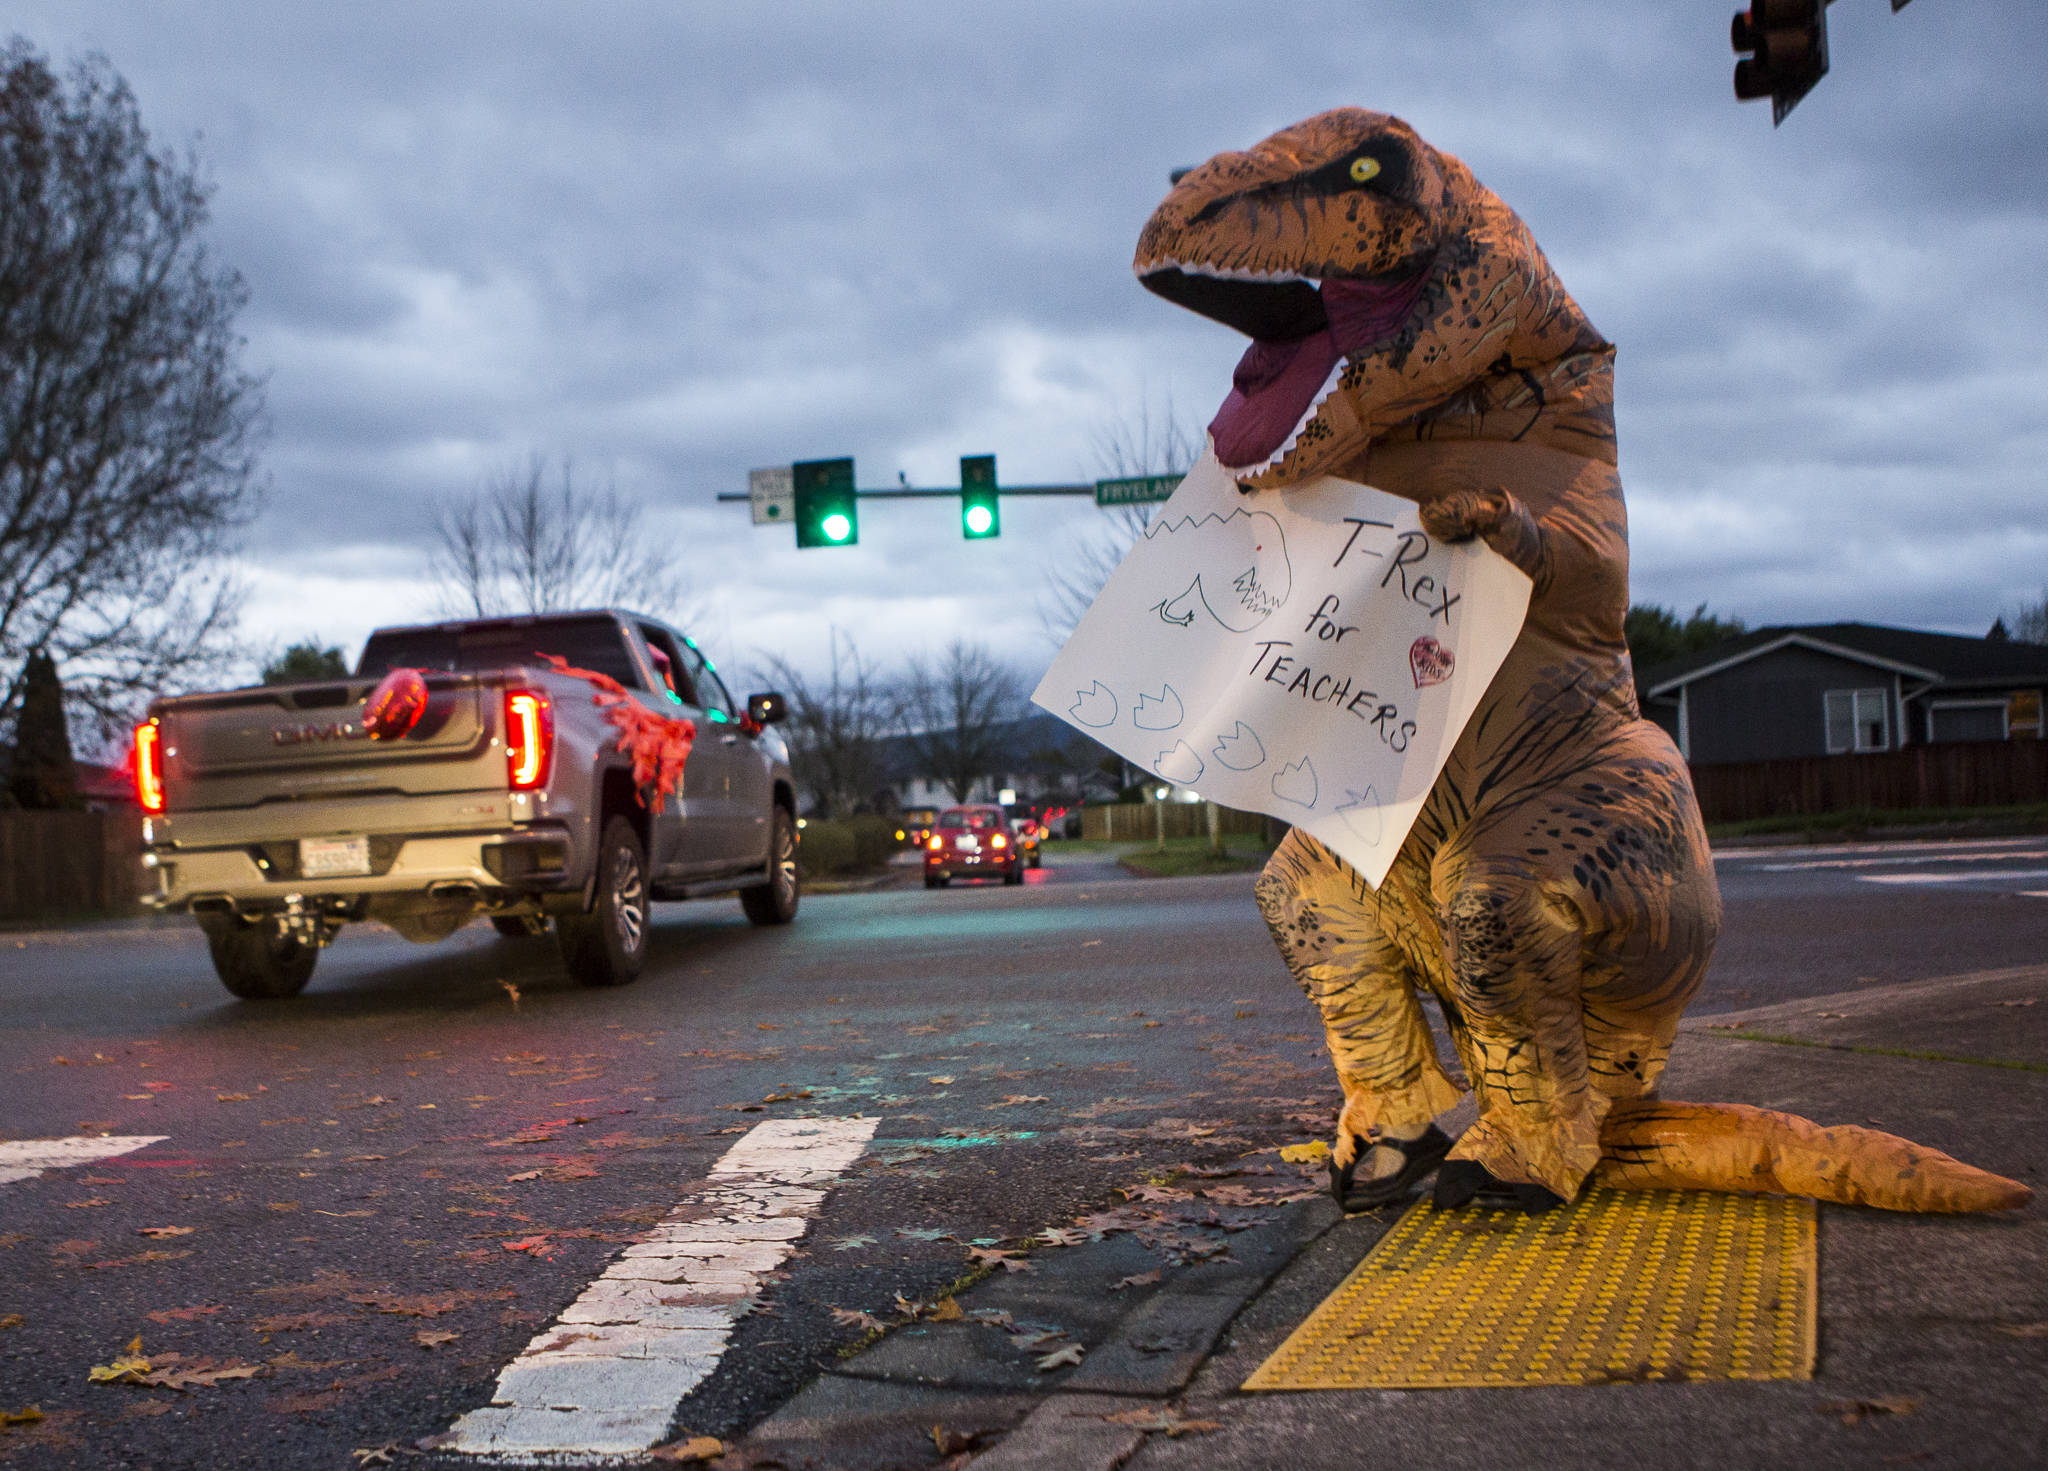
x: 1342, y: 242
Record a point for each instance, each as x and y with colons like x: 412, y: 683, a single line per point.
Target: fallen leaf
x: 694, y: 1451
x: 1061, y: 1236
x: 855, y: 1318
x: 26, y: 1415
x: 158, y: 1233
x: 233, y: 1097
x: 535, y: 1245
x: 787, y: 1096
x: 997, y: 1257
x: 181, y: 1315
x: 12, y: 1320
x: 522, y: 1175
x: 954, y: 1442
x: 2011, y: 1330
x: 512, y: 991
x: 294, y: 1322
x: 1151, y: 1420
x: 2029, y: 1001
x: 79, y: 1205
x: 927, y: 1233
x: 941, y: 1080
x: 851, y: 1243
x: 1061, y: 1358
x: 434, y: 1337
x: 1011, y: 1100
x: 945, y: 1310
x: 1853, y: 1411
x: 1301, y: 1154
x: 376, y: 1455
x: 1139, y: 1279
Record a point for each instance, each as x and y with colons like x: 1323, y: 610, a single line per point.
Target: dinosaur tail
x: 1657, y: 1144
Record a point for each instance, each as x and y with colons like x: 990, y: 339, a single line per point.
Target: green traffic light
x: 836, y: 527
x: 980, y: 512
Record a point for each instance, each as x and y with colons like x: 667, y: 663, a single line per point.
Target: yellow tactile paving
x: 1621, y: 1286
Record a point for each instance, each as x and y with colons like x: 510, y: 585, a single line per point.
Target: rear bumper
x: 494, y: 865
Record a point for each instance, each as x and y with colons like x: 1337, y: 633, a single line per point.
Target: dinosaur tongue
x: 1276, y: 383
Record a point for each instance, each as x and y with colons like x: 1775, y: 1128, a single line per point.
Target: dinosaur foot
x: 1461, y: 1181
x: 1419, y: 1156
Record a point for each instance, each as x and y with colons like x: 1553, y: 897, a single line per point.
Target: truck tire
x: 775, y: 901
x: 607, y: 946
x: 259, y: 962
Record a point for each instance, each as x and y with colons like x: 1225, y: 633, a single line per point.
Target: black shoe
x: 1460, y: 1181
x: 1419, y: 1156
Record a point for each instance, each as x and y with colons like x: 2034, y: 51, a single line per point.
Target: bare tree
x: 127, y: 428
x: 955, y: 710
x: 837, y: 727
x: 1148, y: 441
x: 515, y: 546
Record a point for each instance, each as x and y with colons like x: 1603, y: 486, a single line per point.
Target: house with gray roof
x: 1825, y: 689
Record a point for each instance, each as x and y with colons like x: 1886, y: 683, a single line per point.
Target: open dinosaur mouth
x: 1301, y: 333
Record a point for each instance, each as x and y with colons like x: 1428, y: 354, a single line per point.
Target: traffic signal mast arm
x: 1783, y: 46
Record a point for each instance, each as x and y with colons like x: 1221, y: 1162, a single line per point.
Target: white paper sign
x: 773, y: 494
x: 1310, y: 653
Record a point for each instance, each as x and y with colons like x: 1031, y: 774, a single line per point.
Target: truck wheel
x: 775, y: 901
x: 519, y: 926
x: 260, y: 962
x: 607, y: 946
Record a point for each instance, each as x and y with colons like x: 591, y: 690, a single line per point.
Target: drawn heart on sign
x: 1429, y: 661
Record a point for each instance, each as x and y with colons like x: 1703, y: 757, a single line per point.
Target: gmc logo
x: 333, y: 730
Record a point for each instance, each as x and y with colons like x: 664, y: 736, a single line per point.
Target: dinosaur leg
x: 1333, y: 934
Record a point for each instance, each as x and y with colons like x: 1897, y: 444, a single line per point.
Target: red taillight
x: 529, y: 738
x: 936, y: 843
x: 999, y: 841
x: 149, y: 766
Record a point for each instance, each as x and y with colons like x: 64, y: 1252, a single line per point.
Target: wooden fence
x: 1129, y: 822
x: 1962, y: 774
x: 61, y: 865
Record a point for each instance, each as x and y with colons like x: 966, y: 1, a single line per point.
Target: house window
x: 2023, y: 715
x: 1858, y: 720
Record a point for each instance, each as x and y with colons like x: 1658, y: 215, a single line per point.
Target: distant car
x: 1029, y: 836
x: 972, y: 842
x: 914, y: 827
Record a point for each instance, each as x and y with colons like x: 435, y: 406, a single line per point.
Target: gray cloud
x: 678, y: 240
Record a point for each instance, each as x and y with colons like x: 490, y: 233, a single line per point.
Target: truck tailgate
x: 291, y: 743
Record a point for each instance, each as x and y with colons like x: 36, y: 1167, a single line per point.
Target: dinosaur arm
x: 1501, y: 520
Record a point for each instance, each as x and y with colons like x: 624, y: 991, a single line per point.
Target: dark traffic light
x: 826, y: 513
x: 1784, y: 49
x: 981, y: 513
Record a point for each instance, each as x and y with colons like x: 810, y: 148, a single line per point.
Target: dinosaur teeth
x: 1220, y: 273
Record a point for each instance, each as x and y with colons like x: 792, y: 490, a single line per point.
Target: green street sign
x: 1135, y: 490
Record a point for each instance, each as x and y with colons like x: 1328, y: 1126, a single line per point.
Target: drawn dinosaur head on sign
x: 1375, y: 276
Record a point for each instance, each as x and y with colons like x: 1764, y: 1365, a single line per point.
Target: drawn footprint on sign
x: 1296, y: 783
x: 1241, y: 750
x: 1162, y: 711
x: 1094, y: 707
x: 1361, y: 813
x: 1181, y: 765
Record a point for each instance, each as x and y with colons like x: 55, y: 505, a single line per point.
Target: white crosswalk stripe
x: 26, y: 1159
x: 605, y: 1378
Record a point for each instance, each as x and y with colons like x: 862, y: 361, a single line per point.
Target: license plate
x: 970, y: 844
x: 333, y: 858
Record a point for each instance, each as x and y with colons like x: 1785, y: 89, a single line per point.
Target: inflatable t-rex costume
x: 1556, y: 894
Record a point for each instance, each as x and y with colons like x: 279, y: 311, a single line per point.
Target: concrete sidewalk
x: 1933, y: 1329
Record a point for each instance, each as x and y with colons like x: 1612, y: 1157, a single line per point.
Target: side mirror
x: 767, y: 709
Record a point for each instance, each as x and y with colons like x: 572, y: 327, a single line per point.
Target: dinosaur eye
x: 1364, y: 167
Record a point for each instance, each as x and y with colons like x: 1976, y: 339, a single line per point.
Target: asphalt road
x: 377, y: 1194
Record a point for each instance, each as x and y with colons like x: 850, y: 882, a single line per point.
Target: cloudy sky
x: 674, y: 240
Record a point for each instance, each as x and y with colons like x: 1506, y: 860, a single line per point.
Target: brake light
x: 936, y: 843
x: 149, y: 766
x: 999, y: 841
x: 529, y: 738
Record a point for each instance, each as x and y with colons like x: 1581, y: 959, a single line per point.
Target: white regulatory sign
x: 773, y: 492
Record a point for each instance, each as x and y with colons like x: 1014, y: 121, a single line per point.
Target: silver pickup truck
x: 274, y: 816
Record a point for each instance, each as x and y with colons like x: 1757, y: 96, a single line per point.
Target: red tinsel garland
x: 658, y: 744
